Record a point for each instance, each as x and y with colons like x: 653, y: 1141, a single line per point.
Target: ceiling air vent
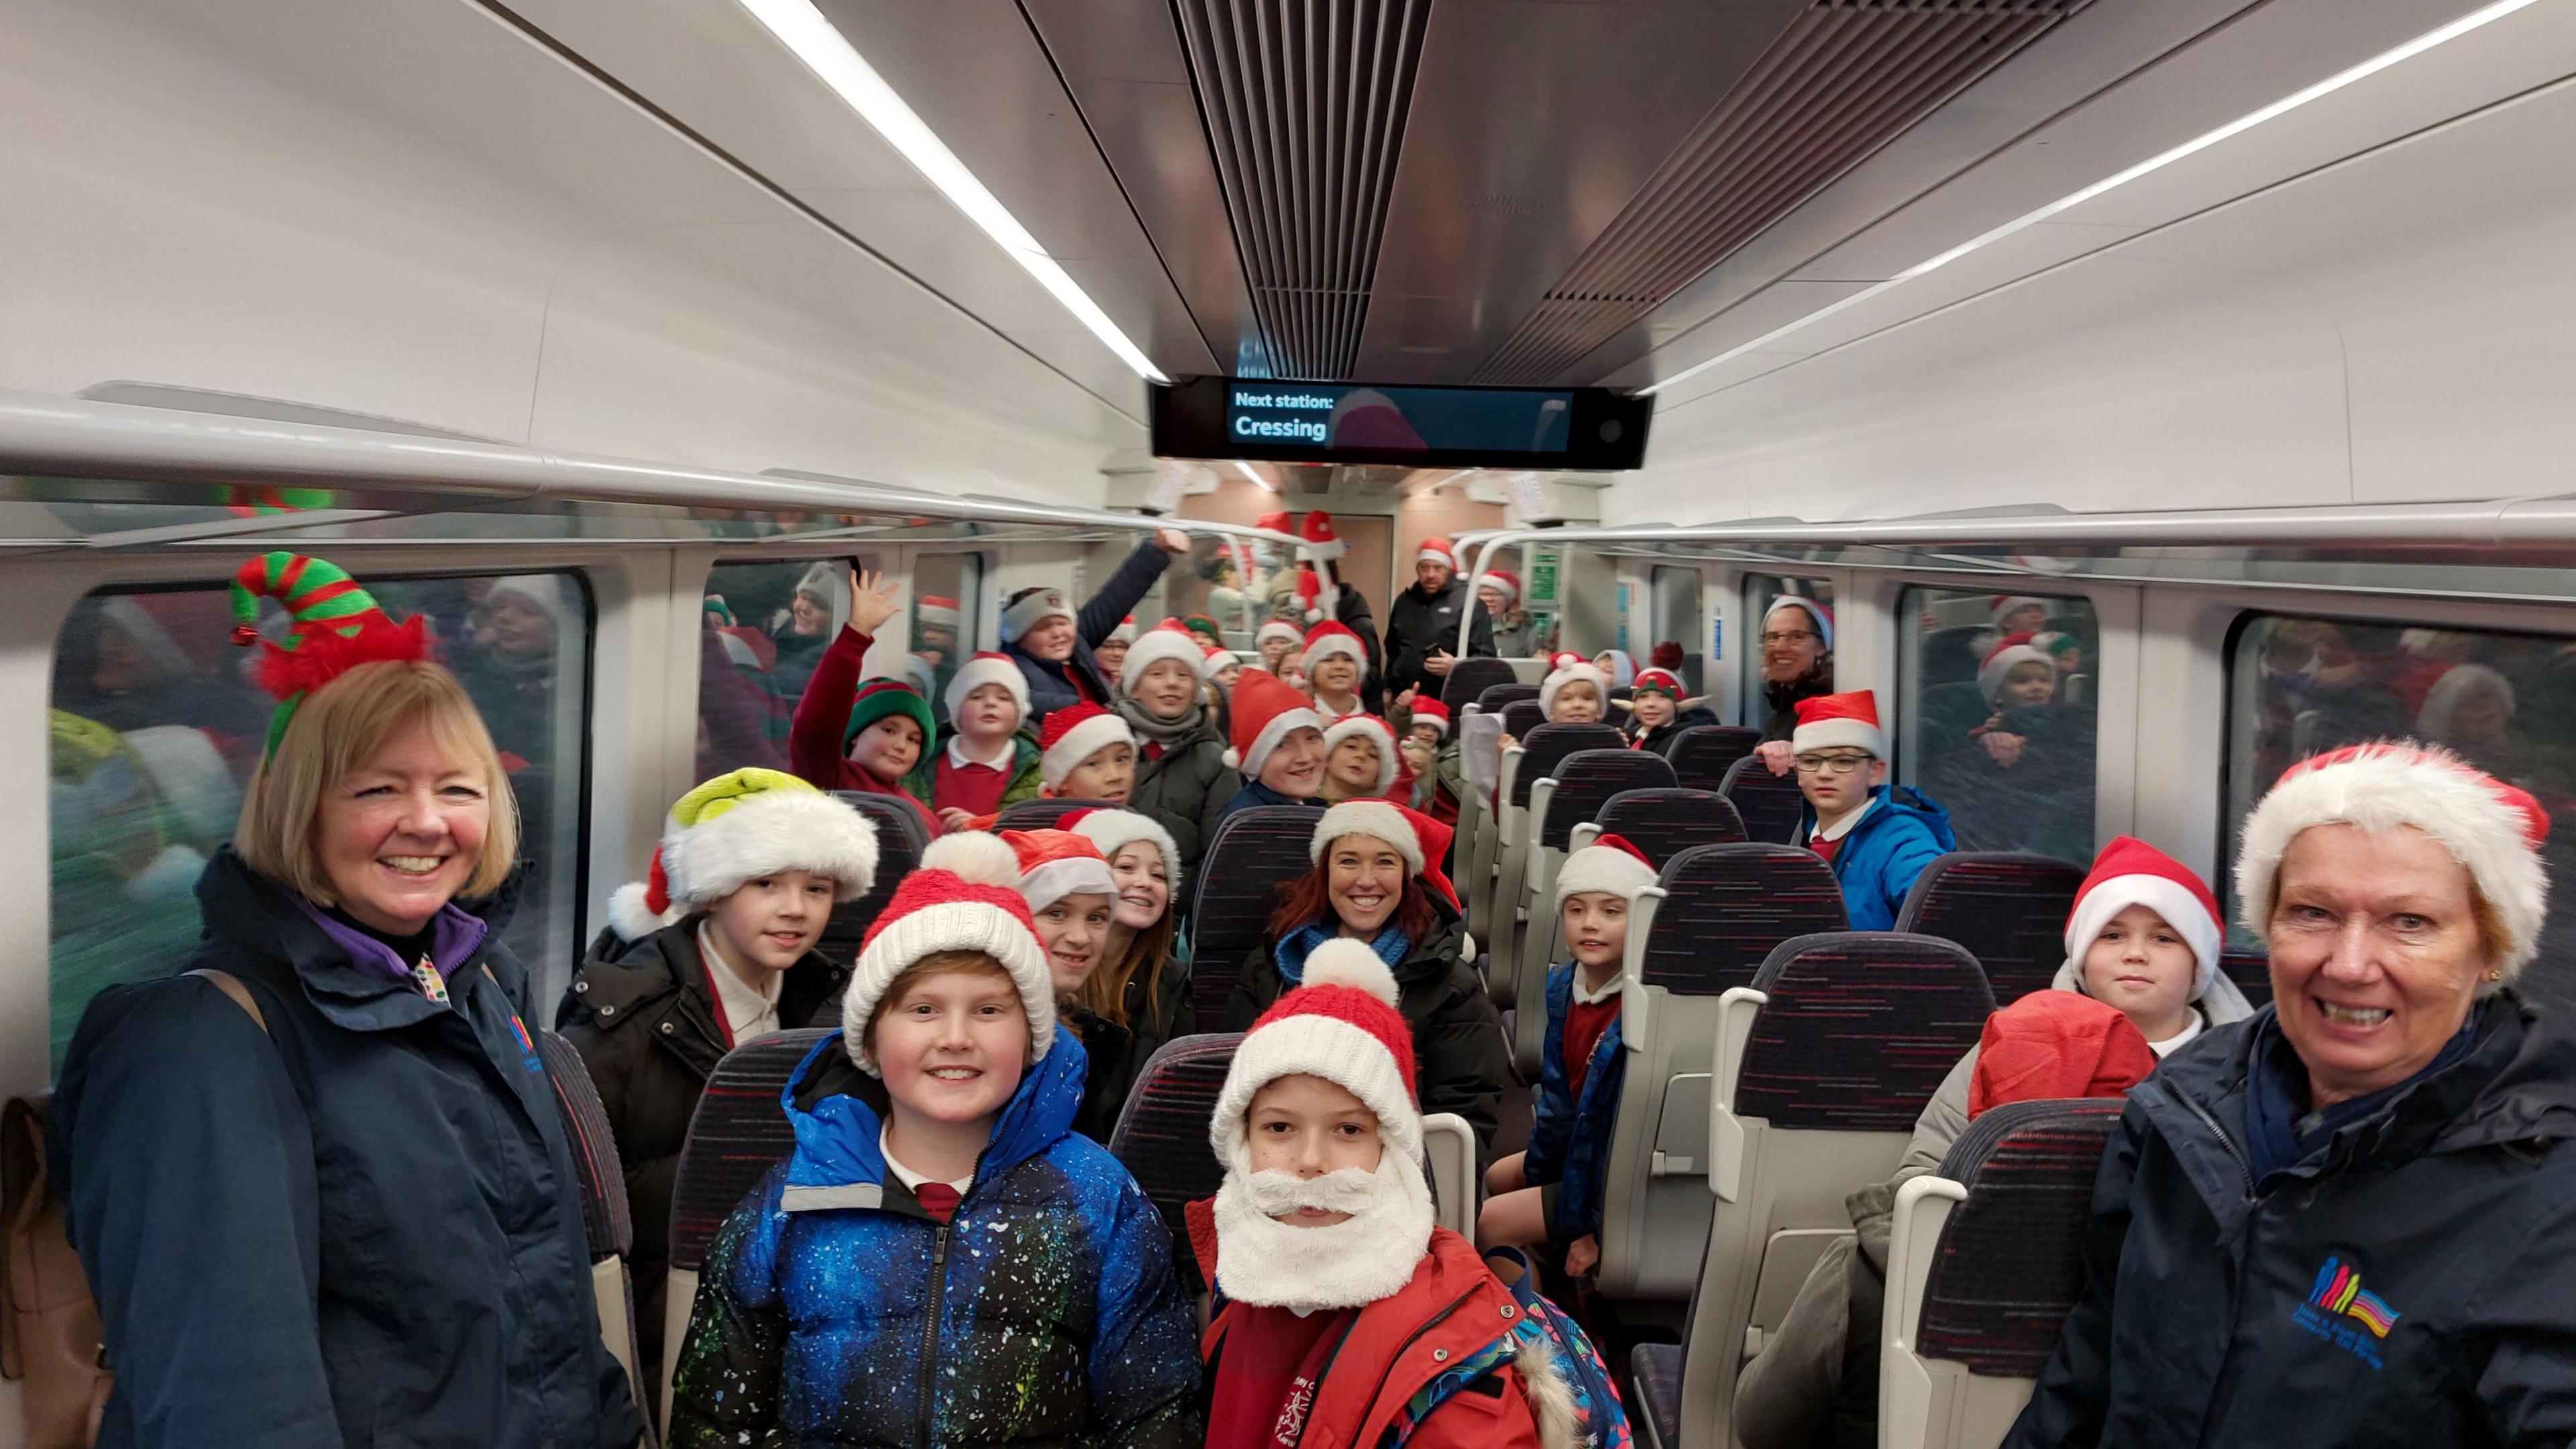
x: 1305, y: 104
x: 1845, y: 78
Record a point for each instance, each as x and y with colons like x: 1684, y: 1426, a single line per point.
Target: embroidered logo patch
x: 2341, y: 1312
x: 528, y: 1057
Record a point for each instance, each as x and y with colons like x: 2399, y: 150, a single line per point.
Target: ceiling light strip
x: 825, y: 51
x: 2440, y: 35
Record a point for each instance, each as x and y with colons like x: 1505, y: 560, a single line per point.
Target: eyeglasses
x: 1794, y: 636
x: 1830, y: 764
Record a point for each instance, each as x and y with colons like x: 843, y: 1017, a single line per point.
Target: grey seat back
x: 1255, y: 852
x: 1771, y: 805
x: 2009, y: 909
x: 1702, y: 754
x: 1471, y: 677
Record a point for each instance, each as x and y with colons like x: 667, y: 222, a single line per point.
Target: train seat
x: 1662, y: 822
x: 1706, y: 928
x: 2009, y: 909
x: 737, y: 1134
x: 1045, y: 813
x: 900, y: 841
x: 1702, y: 754
x: 1573, y: 794
x: 2250, y: 967
x: 1771, y: 804
x: 1254, y: 853
x: 1480, y: 760
x: 606, y: 1217
x: 1533, y: 758
x: 1984, y: 1263
x: 1821, y: 1068
x: 1523, y: 715
x: 1499, y: 697
x: 1469, y: 678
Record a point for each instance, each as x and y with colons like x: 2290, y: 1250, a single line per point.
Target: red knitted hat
x: 962, y: 898
x: 1340, y: 1024
x: 1266, y: 711
x: 1661, y: 681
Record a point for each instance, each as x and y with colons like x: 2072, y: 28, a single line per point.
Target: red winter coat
x: 1454, y: 1307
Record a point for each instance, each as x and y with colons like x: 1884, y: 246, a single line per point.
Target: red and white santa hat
x: 1036, y: 607
x: 2009, y: 651
x: 2006, y: 605
x: 1817, y: 612
x: 1422, y: 841
x: 1611, y: 865
x: 1278, y: 522
x: 1125, y: 633
x: 1321, y: 542
x: 982, y: 668
x: 2493, y: 829
x: 1264, y: 712
x: 1114, y: 830
x: 1377, y: 732
x: 1165, y: 641
x: 1316, y: 599
x: 1328, y: 639
x: 1215, y: 659
x: 1429, y: 711
x: 2130, y: 872
x: 1839, y: 722
x: 1340, y: 1024
x: 1277, y: 629
x: 936, y: 609
x: 1437, y: 550
x: 1503, y: 579
x: 1057, y: 863
x: 1572, y: 668
x: 1072, y: 733
x: 964, y: 897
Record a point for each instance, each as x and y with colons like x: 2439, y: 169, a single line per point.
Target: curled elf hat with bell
x: 335, y: 626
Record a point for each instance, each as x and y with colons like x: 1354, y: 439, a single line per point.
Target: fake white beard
x: 1261, y: 1260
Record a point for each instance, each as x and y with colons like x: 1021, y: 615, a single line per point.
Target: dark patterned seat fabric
x: 1497, y: 698
x: 1523, y: 715
x: 1470, y: 678
x: 1043, y: 814
x: 1727, y: 907
x: 2250, y: 967
x: 2010, y: 1262
x: 1770, y: 804
x: 1162, y: 1134
x: 737, y: 1134
x: 900, y: 841
x: 1702, y: 754
x: 1859, y: 1030
x: 1547, y: 745
x: 1658, y: 1371
x: 1255, y: 852
x: 604, y: 1210
x: 1665, y: 822
x: 2008, y: 909
x: 1585, y: 782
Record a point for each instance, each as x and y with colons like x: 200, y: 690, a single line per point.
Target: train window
x: 1995, y: 717
x: 1234, y: 583
x: 769, y: 623
x: 157, y: 727
x: 1783, y: 655
x: 2299, y: 687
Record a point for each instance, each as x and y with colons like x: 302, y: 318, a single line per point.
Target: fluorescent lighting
x: 828, y: 53
x: 1246, y: 470
x: 2291, y: 102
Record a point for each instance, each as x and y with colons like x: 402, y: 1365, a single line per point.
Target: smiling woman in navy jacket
x: 2347, y: 1219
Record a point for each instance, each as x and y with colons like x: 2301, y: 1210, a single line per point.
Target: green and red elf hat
x: 336, y: 627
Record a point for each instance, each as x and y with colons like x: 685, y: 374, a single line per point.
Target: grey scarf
x: 1167, y: 733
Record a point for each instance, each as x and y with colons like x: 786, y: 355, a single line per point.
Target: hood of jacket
x: 838, y: 1111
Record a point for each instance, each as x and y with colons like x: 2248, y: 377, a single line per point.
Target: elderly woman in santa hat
x: 1377, y: 879
x: 2346, y: 1219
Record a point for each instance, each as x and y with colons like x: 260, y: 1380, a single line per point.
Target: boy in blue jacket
x: 1552, y: 1192
x: 1876, y: 837
x: 941, y: 1261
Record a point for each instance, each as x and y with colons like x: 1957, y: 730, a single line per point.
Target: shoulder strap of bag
x: 231, y: 985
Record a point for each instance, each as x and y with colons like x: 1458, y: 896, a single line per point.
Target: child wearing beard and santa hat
x: 1341, y: 1309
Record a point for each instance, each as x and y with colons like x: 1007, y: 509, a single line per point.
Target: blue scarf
x: 1293, y: 949
x: 2282, y: 1131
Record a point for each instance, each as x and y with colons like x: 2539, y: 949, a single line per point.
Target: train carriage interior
x: 2200, y: 355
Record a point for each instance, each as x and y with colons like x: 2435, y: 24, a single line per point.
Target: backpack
x: 1599, y: 1421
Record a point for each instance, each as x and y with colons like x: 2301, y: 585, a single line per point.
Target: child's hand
x: 1418, y: 755
x: 1583, y: 1256
x: 2005, y: 749
x: 871, y: 601
x: 1404, y: 702
x: 1780, y: 755
x: 1172, y: 541
x: 953, y: 818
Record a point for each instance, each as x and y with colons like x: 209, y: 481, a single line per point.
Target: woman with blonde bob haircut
x: 2344, y: 1220
x: 317, y: 1176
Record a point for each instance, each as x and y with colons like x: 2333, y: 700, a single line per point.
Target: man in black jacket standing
x: 1422, y: 623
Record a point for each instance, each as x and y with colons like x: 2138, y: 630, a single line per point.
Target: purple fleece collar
x: 454, y: 937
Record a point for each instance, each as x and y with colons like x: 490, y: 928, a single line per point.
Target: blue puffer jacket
x: 1051, y: 683
x: 1878, y: 861
x: 833, y: 1312
x: 359, y: 1227
x: 2405, y: 1284
x: 1570, y: 1142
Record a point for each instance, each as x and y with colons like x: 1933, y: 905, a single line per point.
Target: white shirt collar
x: 1843, y: 827
x: 912, y: 1180
x: 959, y: 758
x: 749, y: 1015
x: 2192, y: 1026
x: 1595, y: 998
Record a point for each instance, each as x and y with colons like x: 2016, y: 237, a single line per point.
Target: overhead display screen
x: 1432, y: 427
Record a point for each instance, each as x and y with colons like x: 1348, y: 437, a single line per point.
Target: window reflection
x: 1996, y: 709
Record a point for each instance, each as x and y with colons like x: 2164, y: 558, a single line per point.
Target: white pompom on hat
x: 2492, y: 829
x: 964, y: 897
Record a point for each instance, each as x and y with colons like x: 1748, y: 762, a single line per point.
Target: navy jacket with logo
x: 2406, y: 1285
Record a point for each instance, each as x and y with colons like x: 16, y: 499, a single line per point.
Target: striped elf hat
x: 336, y: 626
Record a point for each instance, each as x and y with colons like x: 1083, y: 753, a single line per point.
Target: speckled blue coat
x: 833, y: 1312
